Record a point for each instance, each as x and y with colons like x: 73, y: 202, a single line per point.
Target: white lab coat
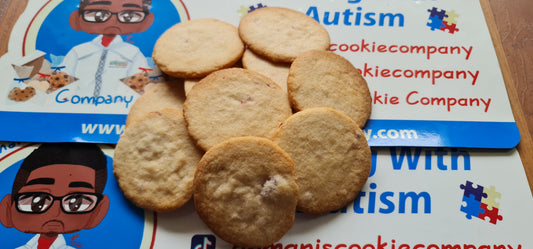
x: 123, y: 60
x: 59, y: 243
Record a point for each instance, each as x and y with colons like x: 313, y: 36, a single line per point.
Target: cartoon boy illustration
x: 101, y: 63
x: 57, y: 190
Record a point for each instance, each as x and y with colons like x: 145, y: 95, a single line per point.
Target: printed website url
x: 390, y: 134
x: 107, y: 129
x: 387, y: 244
x: 102, y: 129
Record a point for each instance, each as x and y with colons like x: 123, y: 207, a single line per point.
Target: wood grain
x: 10, y: 10
x: 513, y: 20
x: 511, y: 28
x: 513, y: 83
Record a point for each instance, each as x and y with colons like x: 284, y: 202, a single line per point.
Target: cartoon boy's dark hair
x: 85, y: 154
x: 146, y: 4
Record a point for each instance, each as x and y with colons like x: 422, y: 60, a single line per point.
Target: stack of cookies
x: 251, y: 144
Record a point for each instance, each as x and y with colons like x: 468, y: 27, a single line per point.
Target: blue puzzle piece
x: 259, y: 5
x: 470, y: 190
x: 436, y: 23
x: 440, y: 14
x: 472, y: 207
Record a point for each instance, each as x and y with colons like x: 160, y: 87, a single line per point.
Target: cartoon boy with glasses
x: 101, y: 63
x: 57, y: 190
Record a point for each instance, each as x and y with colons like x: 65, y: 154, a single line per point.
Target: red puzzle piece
x: 492, y: 214
x: 451, y: 28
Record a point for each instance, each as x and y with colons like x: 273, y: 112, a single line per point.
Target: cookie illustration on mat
x: 137, y: 82
x: 21, y: 95
x: 42, y: 85
x: 58, y: 80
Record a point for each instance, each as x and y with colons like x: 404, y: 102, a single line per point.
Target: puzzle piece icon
x: 492, y: 214
x: 451, y: 28
x: 243, y: 11
x: 436, y: 23
x: 259, y: 5
x: 470, y: 190
x: 492, y: 195
x: 451, y: 17
x: 440, y: 14
x: 472, y: 207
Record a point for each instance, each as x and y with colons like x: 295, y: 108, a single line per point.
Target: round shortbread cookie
x: 325, y: 79
x: 195, y: 48
x: 155, y: 160
x: 245, y: 191
x: 157, y: 96
x: 277, y: 71
x: 188, y: 84
x: 234, y: 102
x: 280, y: 34
x: 331, y: 156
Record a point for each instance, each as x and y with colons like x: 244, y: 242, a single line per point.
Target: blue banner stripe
x: 61, y: 127
x: 107, y: 128
x: 423, y: 133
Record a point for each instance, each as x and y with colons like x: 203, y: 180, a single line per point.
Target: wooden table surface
x: 511, y: 24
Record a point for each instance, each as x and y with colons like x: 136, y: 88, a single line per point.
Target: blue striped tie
x: 98, y: 75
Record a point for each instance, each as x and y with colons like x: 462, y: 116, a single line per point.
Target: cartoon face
x: 112, y: 17
x: 56, y: 199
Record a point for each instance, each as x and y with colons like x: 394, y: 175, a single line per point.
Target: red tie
x: 45, y: 243
x: 106, y: 41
